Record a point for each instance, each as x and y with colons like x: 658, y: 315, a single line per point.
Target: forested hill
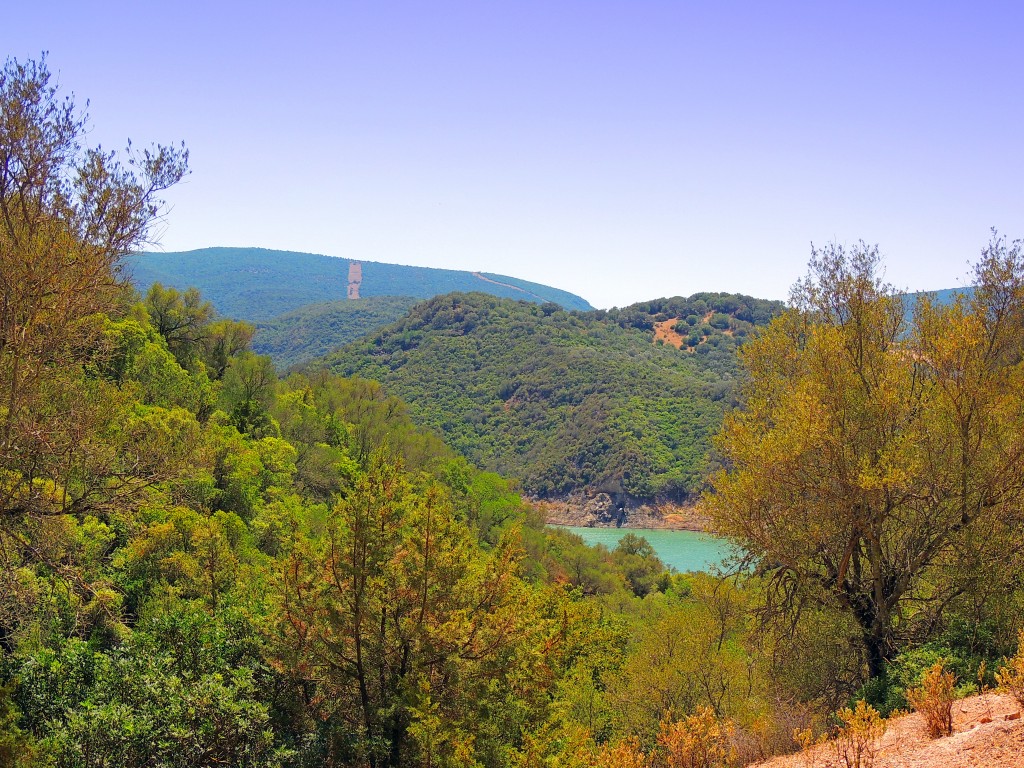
x: 255, y: 284
x: 568, y: 400
x: 316, y: 329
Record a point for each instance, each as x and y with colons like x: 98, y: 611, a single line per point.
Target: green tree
x: 181, y: 318
x: 636, y: 559
x: 249, y: 388
x: 68, y: 216
x: 225, y: 339
x: 873, y: 453
x: 401, y: 621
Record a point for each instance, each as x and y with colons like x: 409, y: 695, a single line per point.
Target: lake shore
x: 680, y: 549
x: 602, y: 510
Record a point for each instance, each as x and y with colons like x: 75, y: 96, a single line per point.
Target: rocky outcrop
x: 355, y: 279
x: 593, y: 509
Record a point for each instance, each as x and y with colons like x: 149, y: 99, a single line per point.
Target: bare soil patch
x: 987, y: 731
x: 665, y: 331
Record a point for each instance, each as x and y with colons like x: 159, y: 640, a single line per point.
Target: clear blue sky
x: 620, y: 150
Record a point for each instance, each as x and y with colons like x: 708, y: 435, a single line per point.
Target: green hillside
x: 566, y: 400
x: 257, y: 284
x: 316, y: 329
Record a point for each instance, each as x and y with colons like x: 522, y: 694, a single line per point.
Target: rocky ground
x: 987, y: 733
x: 601, y: 510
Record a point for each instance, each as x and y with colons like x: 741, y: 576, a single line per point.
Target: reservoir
x: 682, y: 550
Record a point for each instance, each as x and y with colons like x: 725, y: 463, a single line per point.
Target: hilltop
x: 256, y: 284
x: 568, y: 402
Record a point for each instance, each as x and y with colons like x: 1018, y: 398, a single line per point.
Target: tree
x: 225, y: 339
x: 249, y: 386
x: 181, y: 318
x: 401, y: 622
x: 68, y: 216
x: 875, y: 453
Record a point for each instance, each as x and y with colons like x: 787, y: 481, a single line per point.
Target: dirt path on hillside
x: 355, y: 279
x: 480, y: 276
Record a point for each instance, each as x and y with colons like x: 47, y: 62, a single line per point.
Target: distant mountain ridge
x: 257, y: 284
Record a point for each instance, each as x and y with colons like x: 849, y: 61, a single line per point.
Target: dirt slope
x: 666, y: 331
x: 987, y: 732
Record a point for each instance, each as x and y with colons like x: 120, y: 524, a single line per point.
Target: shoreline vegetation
x: 682, y: 551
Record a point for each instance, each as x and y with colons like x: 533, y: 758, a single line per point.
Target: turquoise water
x: 683, y: 550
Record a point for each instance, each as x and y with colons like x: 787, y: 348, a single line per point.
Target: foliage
x: 696, y: 741
x: 203, y: 564
x: 398, y: 619
x: 560, y: 400
x: 181, y: 318
x: 16, y: 747
x: 859, y: 732
x: 314, y: 330
x: 166, y: 697
x: 68, y: 216
x: 1011, y: 676
x: 934, y: 699
x: 871, y: 459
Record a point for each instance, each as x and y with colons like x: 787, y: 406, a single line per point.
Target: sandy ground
x: 988, y: 732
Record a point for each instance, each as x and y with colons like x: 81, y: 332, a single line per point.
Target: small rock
x: 1013, y: 716
x: 985, y: 720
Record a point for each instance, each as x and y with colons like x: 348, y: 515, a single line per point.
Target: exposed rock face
x: 589, y: 509
x: 355, y: 279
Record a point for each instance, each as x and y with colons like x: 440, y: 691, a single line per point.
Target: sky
x: 619, y: 150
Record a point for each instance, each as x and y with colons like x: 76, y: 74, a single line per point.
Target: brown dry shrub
x: 1011, y: 676
x: 769, y: 735
x: 622, y: 754
x: 857, y: 737
x: 697, y: 741
x: 934, y: 699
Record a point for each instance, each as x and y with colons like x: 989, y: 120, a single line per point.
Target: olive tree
x: 877, y: 450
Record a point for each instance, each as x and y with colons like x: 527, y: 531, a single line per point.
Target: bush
x: 934, y: 699
x: 1011, y: 676
x: 888, y: 693
x: 696, y: 741
x: 858, y: 735
x: 623, y: 754
x: 720, y: 321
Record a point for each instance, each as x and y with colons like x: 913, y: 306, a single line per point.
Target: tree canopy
x: 565, y: 400
x: 68, y: 217
x: 876, y: 461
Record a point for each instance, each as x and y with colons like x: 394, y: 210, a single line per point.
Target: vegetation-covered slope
x: 564, y: 400
x: 316, y: 329
x: 255, y: 284
x: 204, y: 566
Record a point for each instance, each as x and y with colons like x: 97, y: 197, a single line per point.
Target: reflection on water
x: 683, y: 550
